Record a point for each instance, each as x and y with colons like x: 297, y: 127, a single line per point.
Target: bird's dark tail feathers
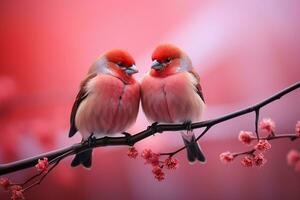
x: 193, y: 149
x: 84, y: 158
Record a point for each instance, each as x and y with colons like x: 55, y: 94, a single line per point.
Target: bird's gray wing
x: 197, y: 85
x: 82, y: 94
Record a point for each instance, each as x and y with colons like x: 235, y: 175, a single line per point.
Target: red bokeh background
x: 244, y: 51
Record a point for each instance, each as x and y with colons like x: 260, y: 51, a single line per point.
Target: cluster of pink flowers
x: 158, y: 165
x: 16, y: 191
x: 259, y: 160
x: 5, y: 183
x: 262, y: 145
x: 153, y: 159
x: 226, y: 157
x: 132, y: 152
x: 42, y: 165
x: 246, y: 137
x: 293, y: 159
x: 267, y: 125
x: 248, y: 161
x: 254, y: 160
x: 158, y: 173
x: 171, y: 163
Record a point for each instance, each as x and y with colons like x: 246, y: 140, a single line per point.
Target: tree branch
x: 151, y: 130
x: 272, y: 136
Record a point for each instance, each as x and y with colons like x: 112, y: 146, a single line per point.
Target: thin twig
x: 184, y: 147
x: 272, y: 136
x: 43, y: 177
x: 55, y: 161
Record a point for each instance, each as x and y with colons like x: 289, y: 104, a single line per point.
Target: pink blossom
x: 171, y: 163
x: 154, y: 160
x: 42, y: 165
x: 158, y: 173
x: 245, y: 137
x: 247, y: 161
x: 226, y: 157
x: 293, y: 157
x: 297, y: 128
x: 267, y: 125
x: 259, y: 160
x: 150, y: 157
x: 17, y: 192
x: 147, y: 154
x: 262, y: 145
x: 5, y: 183
x: 132, y: 152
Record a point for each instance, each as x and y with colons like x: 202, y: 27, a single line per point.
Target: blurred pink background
x: 244, y: 51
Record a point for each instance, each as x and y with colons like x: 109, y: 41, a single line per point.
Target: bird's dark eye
x: 120, y: 64
x: 168, y: 60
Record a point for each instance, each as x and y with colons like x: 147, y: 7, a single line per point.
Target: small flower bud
x: 247, y: 161
x: 226, y: 157
x: 259, y: 160
x: 132, y: 152
x: 5, y: 183
x: 42, y: 165
x: 262, y: 145
x: 245, y: 137
x: 17, y: 192
x: 267, y: 125
x: 171, y: 163
x: 158, y: 173
x: 150, y: 157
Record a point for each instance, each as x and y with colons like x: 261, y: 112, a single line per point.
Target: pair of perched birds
x: 109, y: 97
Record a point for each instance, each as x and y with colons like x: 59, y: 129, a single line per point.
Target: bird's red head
x: 166, y: 51
x: 121, y: 64
x: 119, y: 56
x: 166, y: 60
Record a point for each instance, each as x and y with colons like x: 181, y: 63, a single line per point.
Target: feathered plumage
x: 107, y: 102
x: 171, y: 93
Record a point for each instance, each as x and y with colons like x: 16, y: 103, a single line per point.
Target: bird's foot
x: 91, y: 140
x: 188, y: 126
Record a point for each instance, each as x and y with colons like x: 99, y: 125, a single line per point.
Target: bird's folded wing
x: 197, y: 85
x: 82, y: 94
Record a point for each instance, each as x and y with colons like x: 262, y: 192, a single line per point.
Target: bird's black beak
x: 157, y: 65
x: 131, y: 70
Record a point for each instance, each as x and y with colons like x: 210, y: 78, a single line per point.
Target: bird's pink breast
x: 171, y: 99
x: 111, y: 107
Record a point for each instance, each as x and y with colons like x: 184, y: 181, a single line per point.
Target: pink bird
x: 107, y: 102
x: 171, y: 93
